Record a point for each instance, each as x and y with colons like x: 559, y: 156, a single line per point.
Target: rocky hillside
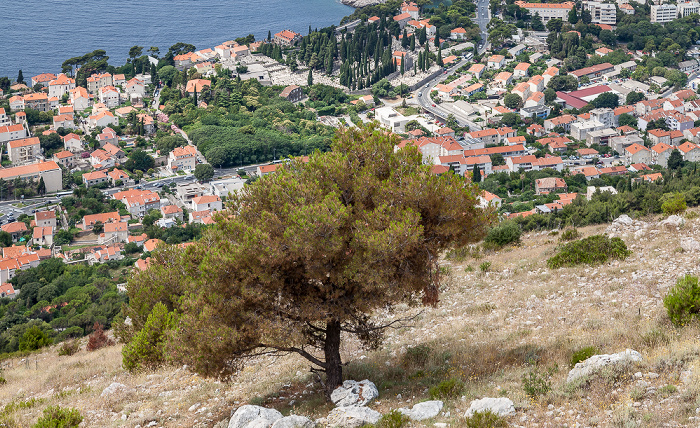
x: 506, y: 328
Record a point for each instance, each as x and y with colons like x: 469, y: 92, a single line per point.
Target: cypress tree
x: 310, y: 79
x: 476, y: 174
x: 439, y: 58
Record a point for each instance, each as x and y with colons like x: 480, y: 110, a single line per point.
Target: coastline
x: 361, y: 3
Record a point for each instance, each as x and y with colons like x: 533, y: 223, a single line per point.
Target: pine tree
x: 310, y: 79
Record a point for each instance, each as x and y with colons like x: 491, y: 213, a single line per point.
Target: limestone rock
x: 690, y: 245
x: 672, y: 222
x: 114, y: 387
x: 597, y: 362
x: 424, y: 410
x: 294, y: 421
x: 353, y: 393
x: 352, y: 417
x: 361, y: 3
x: 501, y: 406
x: 249, y: 416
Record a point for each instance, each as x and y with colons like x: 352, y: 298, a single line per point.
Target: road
x: 482, y: 20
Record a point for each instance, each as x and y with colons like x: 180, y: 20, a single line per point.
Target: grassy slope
x: 488, y: 331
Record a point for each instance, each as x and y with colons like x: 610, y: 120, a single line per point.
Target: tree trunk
x: 334, y: 367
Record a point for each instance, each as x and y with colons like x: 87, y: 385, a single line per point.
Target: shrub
x: 417, y: 356
x: 593, y: 250
x: 485, y: 420
x: 674, y: 204
x: 450, y: 388
x: 57, y: 417
x: 505, y: 233
x: 690, y: 215
x: 485, y: 266
x: 98, y: 339
x: 147, y: 348
x: 537, y: 383
x: 68, y: 348
x: 33, y: 339
x: 583, y: 354
x: 393, y: 419
x: 569, y: 235
x: 683, y: 301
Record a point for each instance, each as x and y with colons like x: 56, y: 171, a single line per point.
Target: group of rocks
x: 625, y: 225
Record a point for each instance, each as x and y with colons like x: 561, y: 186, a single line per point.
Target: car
x: 433, y: 105
x: 420, y: 94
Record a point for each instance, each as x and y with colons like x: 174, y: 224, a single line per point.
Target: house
x: 660, y: 154
x: 114, y: 232
x: 183, y: 61
x: 72, y: 143
x: 187, y: 191
x: 108, y: 136
x: 292, y: 93
x: 16, y: 103
x: 536, y: 99
x: 458, y: 33
x: 196, y: 86
x: 45, y: 218
x: 95, y: 177
x: 201, y: 217
x: 100, y: 159
x: 660, y: 136
x: 182, y: 159
x: 60, y: 86
x: 433, y: 147
x: 135, y: 88
x: 477, y: 70
x: 12, y: 132
x: 119, y: 80
x: 522, y: 89
x: 495, y: 62
x: 545, y: 186
x: 16, y: 229
x: 602, y: 51
x: 117, y: 175
x: 288, y: 37
x: 207, y: 202
x: 486, y: 136
x: 402, y: 19
x: 548, y: 11
x: 99, y: 81
x: 564, y: 121
x: 637, y: 153
x: 79, y: 98
x: 42, y: 235
x: 411, y: 8
x: 102, y: 119
x: 521, y: 70
x: 503, y: 79
x: 536, y: 130
x: 63, y: 121
x: 580, y: 130
x: 593, y: 72
x: 24, y: 150
x: 601, y: 137
x: 7, y: 290
x: 43, y: 79
x: 690, y: 152
x: 172, y: 211
x: 487, y: 199
x: 34, y: 172
x: 138, y: 202
x: 90, y: 220
x: 109, y: 96
x: 37, y: 101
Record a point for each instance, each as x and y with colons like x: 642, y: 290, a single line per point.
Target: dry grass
x: 488, y: 331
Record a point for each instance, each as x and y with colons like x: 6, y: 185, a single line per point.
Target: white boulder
x: 294, y: 421
x: 249, y: 416
x: 597, y: 362
x: 422, y: 411
x: 352, y: 417
x: 501, y: 406
x: 113, y: 388
x: 690, y: 245
x: 673, y: 221
x: 353, y: 393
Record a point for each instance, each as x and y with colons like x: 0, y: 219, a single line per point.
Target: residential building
x: 289, y: 38
x: 117, y: 175
x: 95, y: 177
x: 79, y: 99
x: 63, y: 121
x: 663, y: 13
x: 690, y: 152
x: 548, y: 10
x: 16, y: 229
x: 100, y: 159
x: 102, y: 119
x: 601, y: 137
x: 196, y: 85
x: 98, y: 81
x: 135, y: 89
x: 187, y: 191
x: 390, y: 118
x: 487, y: 199
x: 72, y: 143
x: 43, y: 79
x: 458, y: 33
x: 660, y: 136
x: 564, y: 121
x: 182, y: 159
x: 24, y: 150
x: 138, y: 202
x: 521, y: 69
x: 495, y: 62
x: 43, y: 236
x: 292, y: 93
x: 545, y: 186
x: 503, y: 79
x: 12, y: 132
x: 477, y: 70
x: 580, y: 130
x: 207, y: 202
x: 660, y: 154
x: 60, y: 86
x: 601, y: 13
x: 593, y: 72
x: 45, y: 218
x: 90, y: 220
x: 637, y: 153
x: 37, y: 101
x: 606, y: 116
x: 109, y: 96
x: 114, y: 232
x: 172, y: 212
x: 402, y: 19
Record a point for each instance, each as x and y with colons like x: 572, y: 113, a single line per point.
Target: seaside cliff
x: 361, y: 3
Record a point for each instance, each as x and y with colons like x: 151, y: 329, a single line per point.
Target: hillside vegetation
x: 511, y: 328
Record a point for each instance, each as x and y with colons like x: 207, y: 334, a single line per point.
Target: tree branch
x: 380, y: 327
x: 300, y: 351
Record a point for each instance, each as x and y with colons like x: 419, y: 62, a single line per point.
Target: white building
x: 548, y: 10
x: 662, y: 13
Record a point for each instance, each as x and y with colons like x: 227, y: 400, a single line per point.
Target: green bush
x: 593, y: 250
x: 33, y: 339
x: 393, y: 419
x: 583, y: 354
x: 537, y: 383
x: 147, y: 348
x: 68, y: 348
x: 56, y: 417
x: 683, y: 301
x: 569, y: 235
x: 674, y: 204
x: 417, y: 356
x: 485, y: 420
x: 505, y: 233
x: 447, y: 389
x: 485, y: 266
